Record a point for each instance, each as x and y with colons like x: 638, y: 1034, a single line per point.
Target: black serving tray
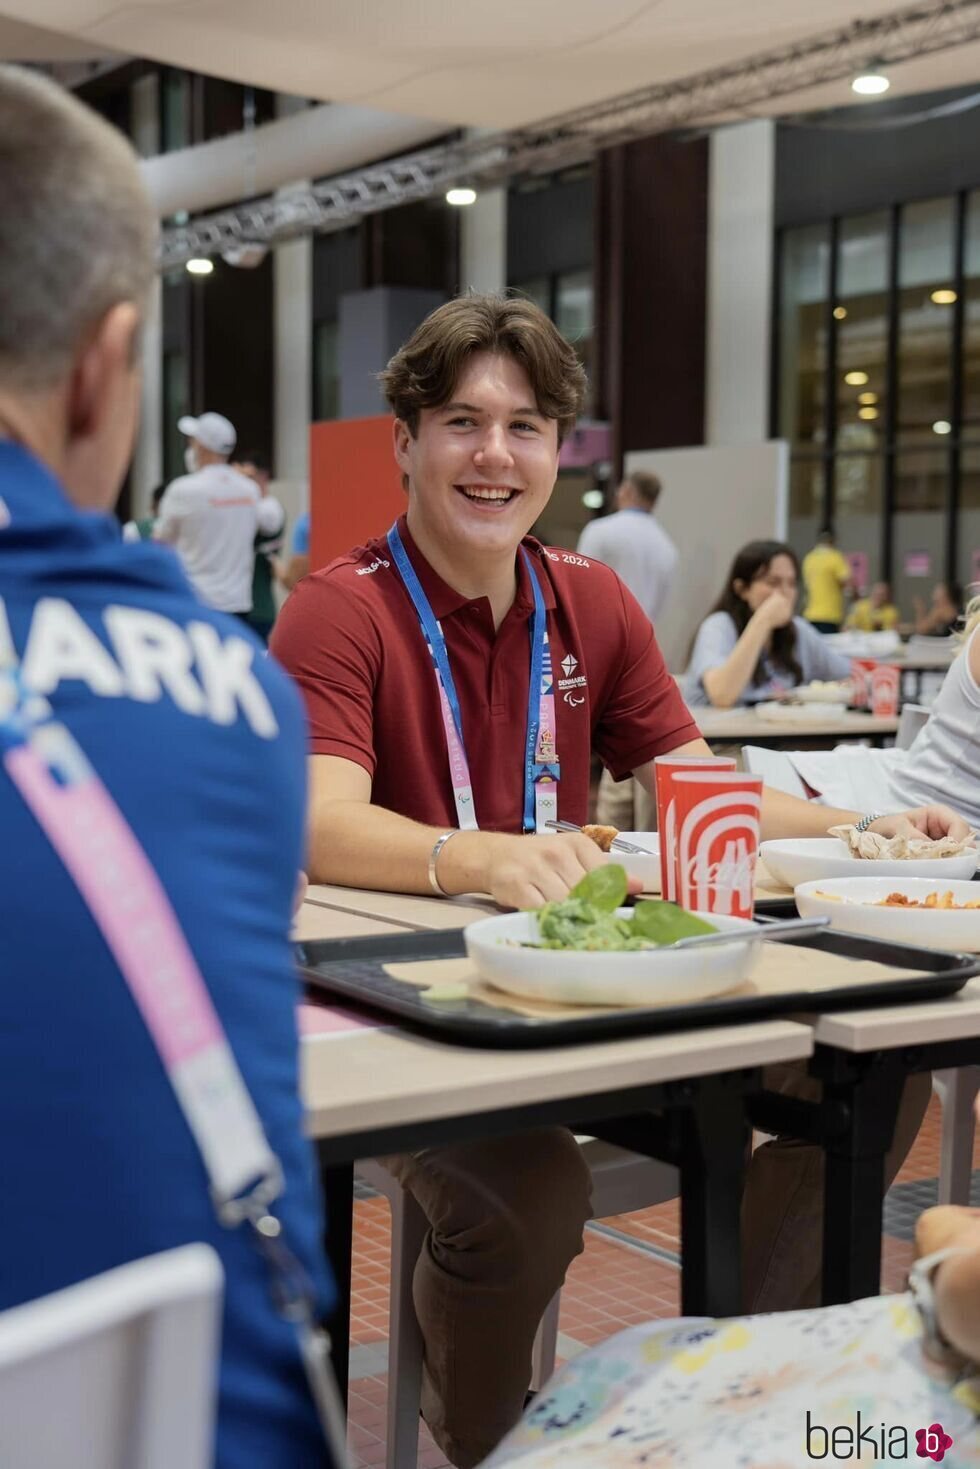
x: 352, y: 970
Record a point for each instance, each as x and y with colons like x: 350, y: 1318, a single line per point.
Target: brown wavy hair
x: 424, y: 372
x: 750, y: 562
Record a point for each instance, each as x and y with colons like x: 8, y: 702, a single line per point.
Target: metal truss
x: 573, y: 137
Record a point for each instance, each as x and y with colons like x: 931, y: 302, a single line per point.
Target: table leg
x: 714, y: 1144
x: 337, y: 1183
x: 854, y: 1179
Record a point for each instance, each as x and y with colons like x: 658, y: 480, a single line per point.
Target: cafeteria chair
x: 117, y: 1371
x: 622, y: 1181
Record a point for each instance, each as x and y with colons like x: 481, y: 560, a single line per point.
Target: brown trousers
x: 506, y: 1219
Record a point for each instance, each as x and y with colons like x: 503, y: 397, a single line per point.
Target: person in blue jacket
x: 198, y: 738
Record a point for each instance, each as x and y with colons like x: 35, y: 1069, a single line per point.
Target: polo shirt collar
x: 445, y: 600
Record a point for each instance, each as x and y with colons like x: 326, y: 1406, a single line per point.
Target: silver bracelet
x: 866, y: 821
x: 434, y: 882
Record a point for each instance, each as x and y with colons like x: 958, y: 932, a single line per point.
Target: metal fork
x: 618, y: 845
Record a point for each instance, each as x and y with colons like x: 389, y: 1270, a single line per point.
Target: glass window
x: 968, y: 538
x: 573, y: 313
x: 176, y: 402
x: 925, y: 335
x: 971, y: 320
x: 806, y: 482
x: 538, y: 290
x: 326, y: 370
x: 175, y: 110
x: 861, y: 318
x: 919, y: 529
x: 803, y: 333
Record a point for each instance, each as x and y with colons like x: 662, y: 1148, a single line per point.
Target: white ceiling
x: 465, y: 61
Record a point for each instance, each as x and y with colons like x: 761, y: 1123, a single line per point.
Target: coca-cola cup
x: 886, y: 681
x: 861, y: 671
x: 717, y: 840
x: 665, y: 768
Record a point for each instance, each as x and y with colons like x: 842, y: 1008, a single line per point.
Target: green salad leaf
x: 587, y: 919
x: 665, y: 923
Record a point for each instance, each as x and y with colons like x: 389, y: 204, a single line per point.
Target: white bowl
x: 834, y: 691
x: 664, y: 976
x: 849, y: 904
x: 808, y: 859
x: 647, y: 869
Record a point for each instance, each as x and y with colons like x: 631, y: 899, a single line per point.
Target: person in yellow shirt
x: 826, y: 574
x: 876, y: 613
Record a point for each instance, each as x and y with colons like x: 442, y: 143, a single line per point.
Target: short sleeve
x: 715, y: 642
x: 644, y: 714
x: 324, y: 638
x: 173, y: 508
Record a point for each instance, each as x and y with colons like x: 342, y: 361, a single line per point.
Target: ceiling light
x: 855, y: 379
x: 941, y: 426
x: 840, y: 312
x: 460, y: 196
x: 870, y: 84
x: 943, y: 296
x: 593, y: 499
x: 867, y: 413
x: 200, y: 266
x: 867, y: 397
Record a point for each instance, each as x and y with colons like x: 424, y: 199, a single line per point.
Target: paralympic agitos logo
x: 874, y: 1442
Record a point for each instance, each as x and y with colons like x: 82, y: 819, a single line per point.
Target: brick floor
x: 609, y: 1286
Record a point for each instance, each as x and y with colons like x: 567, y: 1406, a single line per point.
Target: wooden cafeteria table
x: 378, y: 1089
x: 744, y: 726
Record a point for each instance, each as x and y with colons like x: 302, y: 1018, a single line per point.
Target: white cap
x: 212, y: 430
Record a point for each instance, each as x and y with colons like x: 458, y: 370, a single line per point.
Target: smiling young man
x: 458, y: 675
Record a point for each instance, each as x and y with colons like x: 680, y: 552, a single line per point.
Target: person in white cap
x: 212, y: 514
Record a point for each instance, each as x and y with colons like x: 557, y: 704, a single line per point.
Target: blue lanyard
x: 538, y: 685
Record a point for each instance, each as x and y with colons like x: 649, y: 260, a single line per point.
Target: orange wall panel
x: 355, y: 485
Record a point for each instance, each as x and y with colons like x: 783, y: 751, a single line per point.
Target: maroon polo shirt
x: 350, y: 636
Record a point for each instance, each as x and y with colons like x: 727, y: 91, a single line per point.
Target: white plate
x: 799, y: 713
x: 647, y: 869
x: 812, y: 858
x: 640, y: 977
x: 927, y: 927
x: 837, y: 691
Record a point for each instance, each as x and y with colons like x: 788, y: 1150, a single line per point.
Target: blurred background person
x: 826, y: 576
x: 142, y: 529
x: 640, y: 551
x: 752, y: 646
x: 268, y: 545
x: 876, y: 612
x: 298, y: 564
x: 943, y: 614
x: 212, y: 515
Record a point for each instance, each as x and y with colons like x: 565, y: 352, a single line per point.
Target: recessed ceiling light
x: 943, y: 296
x: 460, y: 196
x: 593, y: 499
x: 840, y: 313
x: 201, y: 266
x: 867, y: 397
x: 867, y: 413
x: 856, y: 379
x: 870, y: 84
x: 941, y: 426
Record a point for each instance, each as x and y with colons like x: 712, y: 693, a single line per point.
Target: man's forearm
x: 359, y: 845
x: 786, y: 816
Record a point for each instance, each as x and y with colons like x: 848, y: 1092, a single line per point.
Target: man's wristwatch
x: 866, y: 821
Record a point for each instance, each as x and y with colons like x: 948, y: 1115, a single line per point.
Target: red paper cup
x: 665, y: 768
x: 717, y: 823
x: 886, y: 679
x: 861, y: 671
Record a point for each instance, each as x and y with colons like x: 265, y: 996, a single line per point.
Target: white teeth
x: 472, y: 493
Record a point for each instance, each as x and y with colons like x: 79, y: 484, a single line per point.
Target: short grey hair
x: 77, y: 231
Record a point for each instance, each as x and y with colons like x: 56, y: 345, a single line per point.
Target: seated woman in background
x: 943, y: 614
x: 752, y: 646
x: 875, y: 613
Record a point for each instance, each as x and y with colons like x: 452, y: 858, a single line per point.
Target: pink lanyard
x: 131, y: 910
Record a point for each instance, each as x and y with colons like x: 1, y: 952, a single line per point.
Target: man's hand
x: 957, y: 1281
x: 524, y: 872
x: 931, y: 821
